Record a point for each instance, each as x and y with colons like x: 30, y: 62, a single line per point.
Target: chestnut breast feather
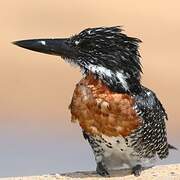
x: 100, y: 111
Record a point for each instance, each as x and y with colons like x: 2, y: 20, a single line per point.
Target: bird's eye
x: 76, y: 42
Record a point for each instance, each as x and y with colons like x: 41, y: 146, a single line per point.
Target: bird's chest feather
x: 100, y: 111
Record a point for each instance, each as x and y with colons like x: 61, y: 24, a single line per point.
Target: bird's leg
x: 98, y: 153
x: 102, y: 170
x: 136, y: 170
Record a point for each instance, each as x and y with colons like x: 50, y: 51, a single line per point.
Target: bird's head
x: 105, y: 51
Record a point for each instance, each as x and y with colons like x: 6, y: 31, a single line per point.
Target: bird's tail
x: 172, y: 147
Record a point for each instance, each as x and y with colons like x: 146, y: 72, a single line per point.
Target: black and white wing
x: 151, y: 137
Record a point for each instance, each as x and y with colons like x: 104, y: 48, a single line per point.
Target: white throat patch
x: 102, y: 71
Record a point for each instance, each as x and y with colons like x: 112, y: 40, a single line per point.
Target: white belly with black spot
x: 121, y: 155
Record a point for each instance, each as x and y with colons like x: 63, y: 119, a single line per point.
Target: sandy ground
x: 167, y: 172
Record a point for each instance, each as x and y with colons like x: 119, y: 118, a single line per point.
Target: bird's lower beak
x: 57, y: 47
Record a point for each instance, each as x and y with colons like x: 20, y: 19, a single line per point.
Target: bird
x: 123, y: 121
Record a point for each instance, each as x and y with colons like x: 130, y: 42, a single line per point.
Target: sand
x: 165, y: 172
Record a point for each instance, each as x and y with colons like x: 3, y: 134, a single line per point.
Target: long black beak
x: 57, y: 47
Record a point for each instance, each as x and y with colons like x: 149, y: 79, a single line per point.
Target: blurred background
x: 36, y: 135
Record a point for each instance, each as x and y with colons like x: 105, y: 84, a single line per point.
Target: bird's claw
x: 136, y: 170
x: 101, y: 170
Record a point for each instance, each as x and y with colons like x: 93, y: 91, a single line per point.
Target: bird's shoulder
x: 147, y: 104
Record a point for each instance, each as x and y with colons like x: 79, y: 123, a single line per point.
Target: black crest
x: 110, y: 48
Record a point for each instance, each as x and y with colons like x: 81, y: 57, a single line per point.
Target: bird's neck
x: 117, y: 81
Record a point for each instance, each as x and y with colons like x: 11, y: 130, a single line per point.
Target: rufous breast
x: 100, y: 111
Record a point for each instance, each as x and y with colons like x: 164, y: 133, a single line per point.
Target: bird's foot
x: 102, y: 170
x: 136, y: 170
